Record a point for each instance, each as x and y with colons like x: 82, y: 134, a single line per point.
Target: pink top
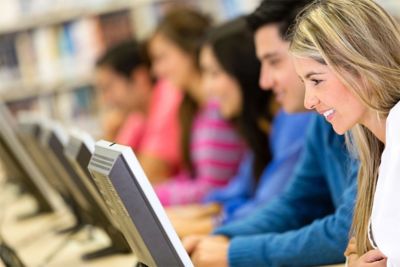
x: 157, y: 134
x: 132, y: 130
x: 216, y: 151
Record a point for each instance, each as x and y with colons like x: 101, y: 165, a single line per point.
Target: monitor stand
x: 9, y: 257
x: 79, y: 221
x: 38, y: 212
x: 119, y: 245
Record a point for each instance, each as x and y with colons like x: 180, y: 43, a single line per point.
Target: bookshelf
x: 48, y: 47
x: 69, y: 13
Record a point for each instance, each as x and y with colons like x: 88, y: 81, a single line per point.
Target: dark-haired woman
x: 230, y: 73
x: 211, y: 147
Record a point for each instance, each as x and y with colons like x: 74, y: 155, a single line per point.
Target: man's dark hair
x: 124, y: 58
x: 282, y: 12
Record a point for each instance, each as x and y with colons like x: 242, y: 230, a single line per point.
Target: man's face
x: 277, y: 69
x: 118, y: 91
x: 113, y: 88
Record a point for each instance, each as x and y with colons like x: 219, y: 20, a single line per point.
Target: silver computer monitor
x: 132, y: 200
x: 54, y: 139
x: 16, y: 172
x: 20, y: 165
x: 79, y: 151
x: 37, y: 137
x: 29, y: 132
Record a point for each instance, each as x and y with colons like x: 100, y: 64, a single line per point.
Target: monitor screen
x: 78, y: 151
x: 21, y: 165
x: 132, y: 200
x: 14, y: 171
x: 29, y: 133
x: 54, y: 138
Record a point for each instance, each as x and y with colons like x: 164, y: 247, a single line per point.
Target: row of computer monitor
x: 102, y: 183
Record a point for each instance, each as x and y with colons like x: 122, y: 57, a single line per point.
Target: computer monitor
x: 132, y: 200
x: 78, y: 151
x: 30, y: 133
x: 53, y: 140
x: 17, y: 174
x: 20, y: 166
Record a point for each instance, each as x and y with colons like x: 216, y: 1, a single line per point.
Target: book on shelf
x: 42, y: 58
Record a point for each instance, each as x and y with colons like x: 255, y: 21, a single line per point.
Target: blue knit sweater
x: 243, y: 195
x: 309, y: 223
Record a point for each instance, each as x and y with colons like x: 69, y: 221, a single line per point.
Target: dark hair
x: 124, y: 57
x: 186, y: 28
x: 282, y: 12
x: 233, y: 47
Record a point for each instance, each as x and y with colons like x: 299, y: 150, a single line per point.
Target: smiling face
x: 277, y: 70
x: 220, y: 85
x: 329, y: 96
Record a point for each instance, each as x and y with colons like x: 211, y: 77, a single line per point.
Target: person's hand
x: 211, y: 251
x: 111, y: 121
x: 186, y: 227
x: 187, y: 211
x: 373, y: 258
x: 351, y: 252
x: 351, y: 247
x: 193, y: 211
x: 190, y: 243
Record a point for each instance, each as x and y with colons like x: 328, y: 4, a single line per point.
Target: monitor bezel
x: 8, y: 129
x: 116, y: 152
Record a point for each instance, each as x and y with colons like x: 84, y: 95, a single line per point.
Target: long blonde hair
x: 361, y: 43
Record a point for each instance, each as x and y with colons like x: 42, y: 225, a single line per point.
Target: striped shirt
x: 216, y: 151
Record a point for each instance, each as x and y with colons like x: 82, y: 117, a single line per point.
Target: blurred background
x: 48, y: 48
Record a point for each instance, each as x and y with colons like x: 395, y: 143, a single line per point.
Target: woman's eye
x: 316, y: 82
x: 274, y: 62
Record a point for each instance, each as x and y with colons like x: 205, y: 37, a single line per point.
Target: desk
x: 35, y: 239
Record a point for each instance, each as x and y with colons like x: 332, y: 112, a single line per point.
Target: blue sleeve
x: 287, y: 212
x: 237, y: 191
x: 306, y: 197
x: 274, y: 180
x: 301, y: 247
x: 286, y: 232
x: 286, y: 146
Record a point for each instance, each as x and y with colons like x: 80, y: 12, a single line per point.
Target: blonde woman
x: 347, y: 52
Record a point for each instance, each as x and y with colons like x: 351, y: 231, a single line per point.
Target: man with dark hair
x: 147, y: 111
x: 123, y: 77
x: 308, y: 224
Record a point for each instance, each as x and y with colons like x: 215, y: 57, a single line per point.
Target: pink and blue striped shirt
x: 216, y: 152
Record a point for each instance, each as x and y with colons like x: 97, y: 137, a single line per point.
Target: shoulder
x: 298, y: 119
x: 165, y: 95
x: 393, y: 126
x: 211, y: 111
x: 321, y: 136
x: 291, y: 124
x: 394, y: 113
